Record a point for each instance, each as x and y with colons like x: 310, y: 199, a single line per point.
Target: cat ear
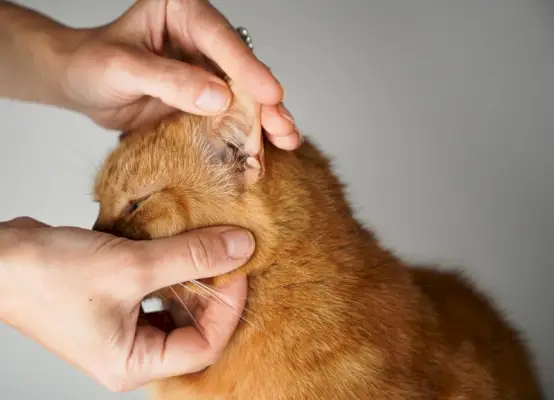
x: 238, y: 136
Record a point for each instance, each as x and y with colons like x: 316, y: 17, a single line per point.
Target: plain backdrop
x: 439, y: 116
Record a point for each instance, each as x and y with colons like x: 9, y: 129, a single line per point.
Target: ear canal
x: 240, y: 129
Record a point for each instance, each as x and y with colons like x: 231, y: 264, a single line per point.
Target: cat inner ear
x: 237, y: 135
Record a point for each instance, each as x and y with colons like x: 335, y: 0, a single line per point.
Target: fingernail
x: 215, y: 97
x: 239, y: 243
x: 286, y: 113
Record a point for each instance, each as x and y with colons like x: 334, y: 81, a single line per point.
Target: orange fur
x: 336, y: 315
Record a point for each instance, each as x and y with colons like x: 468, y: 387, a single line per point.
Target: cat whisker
x: 84, y: 156
x: 214, y: 294
x: 220, y: 301
x: 185, y: 306
x: 214, y: 291
x: 211, y: 295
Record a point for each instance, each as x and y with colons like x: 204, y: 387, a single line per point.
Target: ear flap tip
x: 254, y: 163
x: 241, y: 127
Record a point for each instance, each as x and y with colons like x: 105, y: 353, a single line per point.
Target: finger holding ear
x: 280, y: 127
x: 186, y: 87
x: 199, y: 25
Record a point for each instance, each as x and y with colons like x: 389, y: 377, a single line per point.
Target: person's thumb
x: 197, y: 254
x: 180, y: 85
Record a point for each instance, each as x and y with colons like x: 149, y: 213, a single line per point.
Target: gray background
x: 440, y: 116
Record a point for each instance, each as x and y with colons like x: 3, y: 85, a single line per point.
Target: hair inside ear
x: 238, y: 137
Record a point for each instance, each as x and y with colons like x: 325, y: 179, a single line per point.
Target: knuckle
x: 17, y: 243
x: 117, y: 60
x: 24, y: 220
x: 200, y: 253
x: 15, y: 246
x: 165, y: 72
x: 118, y: 63
x: 188, y: 81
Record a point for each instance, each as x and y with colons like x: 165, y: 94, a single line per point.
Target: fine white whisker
x: 185, y: 306
x: 195, y: 292
x: 214, y: 294
x: 211, y: 297
x: 84, y: 156
x: 220, y: 295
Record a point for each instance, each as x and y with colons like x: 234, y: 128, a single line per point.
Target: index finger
x: 215, y: 37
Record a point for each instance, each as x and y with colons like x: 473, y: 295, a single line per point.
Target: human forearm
x: 33, y: 50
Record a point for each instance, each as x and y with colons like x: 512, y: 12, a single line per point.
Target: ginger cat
x: 333, y: 314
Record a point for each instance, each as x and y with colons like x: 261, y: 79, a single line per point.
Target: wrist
x: 58, y: 48
x: 38, y: 50
x: 14, y: 248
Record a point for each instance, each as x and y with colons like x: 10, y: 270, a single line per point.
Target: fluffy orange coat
x: 337, y: 315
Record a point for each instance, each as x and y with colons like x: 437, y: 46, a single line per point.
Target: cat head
x: 192, y: 171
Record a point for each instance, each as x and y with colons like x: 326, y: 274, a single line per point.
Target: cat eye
x: 133, y: 206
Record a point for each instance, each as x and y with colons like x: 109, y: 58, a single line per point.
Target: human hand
x: 116, y: 74
x: 78, y: 293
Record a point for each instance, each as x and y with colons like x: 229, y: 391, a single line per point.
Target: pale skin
x: 75, y: 291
